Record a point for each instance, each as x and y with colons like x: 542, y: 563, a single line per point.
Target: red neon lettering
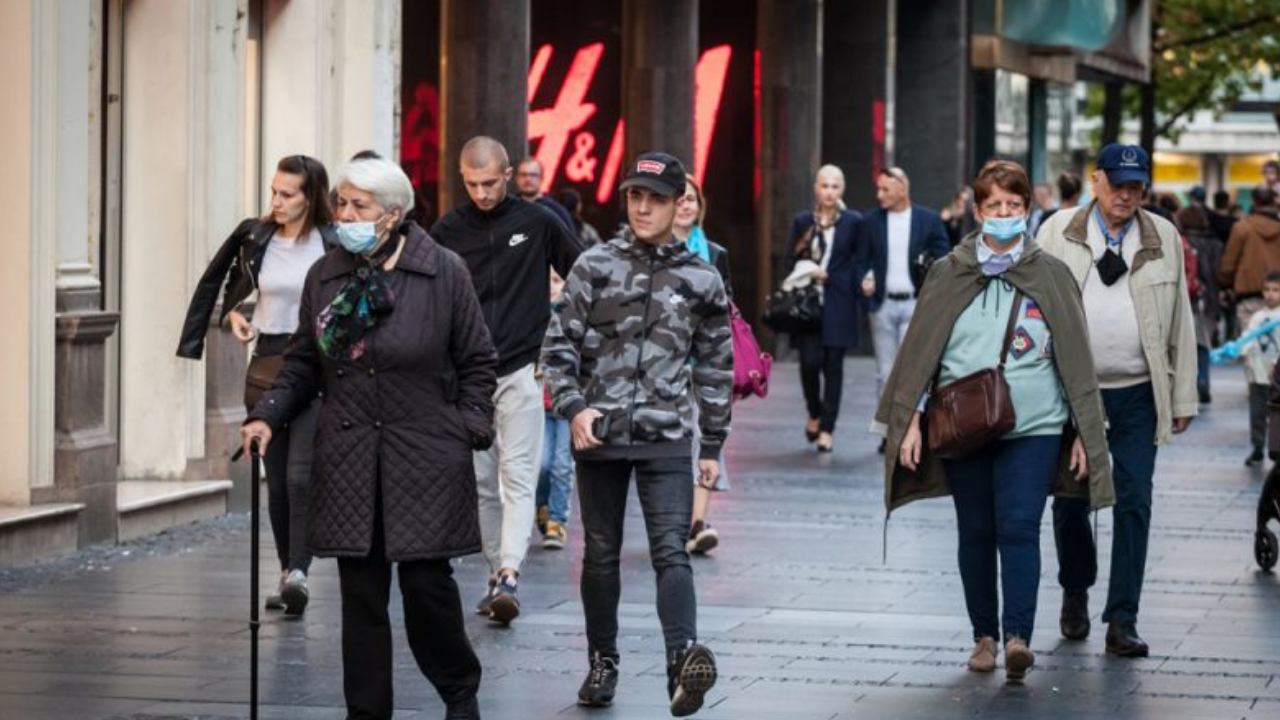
x: 553, y: 126
x: 538, y: 69
x: 611, y: 164
x: 713, y: 70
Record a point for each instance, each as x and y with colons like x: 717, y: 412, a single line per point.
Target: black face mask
x: 1111, y: 267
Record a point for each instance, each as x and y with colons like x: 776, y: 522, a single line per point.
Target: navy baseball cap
x: 656, y: 171
x: 1125, y: 164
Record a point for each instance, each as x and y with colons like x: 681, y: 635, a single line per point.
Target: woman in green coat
x: 1058, y: 444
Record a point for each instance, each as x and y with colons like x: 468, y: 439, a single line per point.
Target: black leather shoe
x: 1123, y: 640
x: 468, y: 709
x: 1074, y: 621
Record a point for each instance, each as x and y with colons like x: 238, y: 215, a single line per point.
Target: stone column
x: 933, y: 89
x: 225, y: 359
x: 790, y: 125
x: 86, y: 451
x: 855, y: 92
x: 484, y: 83
x: 659, y: 61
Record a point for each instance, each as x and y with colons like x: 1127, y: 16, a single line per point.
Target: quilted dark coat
x: 400, y: 422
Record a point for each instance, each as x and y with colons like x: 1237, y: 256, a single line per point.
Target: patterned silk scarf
x: 361, y: 302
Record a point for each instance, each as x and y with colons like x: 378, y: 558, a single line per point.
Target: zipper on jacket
x: 644, y: 339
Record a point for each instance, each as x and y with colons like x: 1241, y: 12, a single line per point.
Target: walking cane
x: 255, y: 493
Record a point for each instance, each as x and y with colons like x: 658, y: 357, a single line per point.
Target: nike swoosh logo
x: 517, y: 239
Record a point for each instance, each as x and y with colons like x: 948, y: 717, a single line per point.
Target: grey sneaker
x: 294, y: 593
x: 275, y: 601
x: 503, y: 604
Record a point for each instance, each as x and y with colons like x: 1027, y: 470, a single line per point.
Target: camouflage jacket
x: 640, y: 326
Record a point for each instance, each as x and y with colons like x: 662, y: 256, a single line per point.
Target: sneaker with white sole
x: 555, y: 536
x: 689, y: 678
x: 702, y: 538
x: 294, y: 593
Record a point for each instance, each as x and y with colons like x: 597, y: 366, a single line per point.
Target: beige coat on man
x: 1159, y: 287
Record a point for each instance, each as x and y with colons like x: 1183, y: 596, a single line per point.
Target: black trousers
x: 666, y: 499
x: 433, y: 621
x: 288, y: 465
x: 821, y: 378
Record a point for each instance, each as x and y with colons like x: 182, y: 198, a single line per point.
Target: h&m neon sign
x: 561, y: 125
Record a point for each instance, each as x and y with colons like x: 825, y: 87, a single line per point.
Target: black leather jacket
x: 243, y: 249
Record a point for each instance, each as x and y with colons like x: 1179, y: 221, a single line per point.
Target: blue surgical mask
x: 1004, y: 230
x: 358, y: 238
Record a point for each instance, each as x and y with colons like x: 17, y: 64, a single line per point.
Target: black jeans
x: 666, y: 498
x: 433, y: 621
x: 288, y: 464
x: 821, y: 378
x: 1258, y: 395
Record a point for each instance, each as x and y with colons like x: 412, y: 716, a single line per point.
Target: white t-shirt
x: 898, y: 272
x: 1113, y: 321
x: 284, y: 269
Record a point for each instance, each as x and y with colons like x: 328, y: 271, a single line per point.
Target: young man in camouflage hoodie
x: 644, y: 331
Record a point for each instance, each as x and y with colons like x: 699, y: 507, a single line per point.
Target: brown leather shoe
x: 1018, y: 658
x: 1123, y: 640
x: 1074, y: 621
x: 983, y: 657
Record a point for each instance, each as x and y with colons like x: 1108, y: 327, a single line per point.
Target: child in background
x: 555, y: 481
x: 1259, y: 360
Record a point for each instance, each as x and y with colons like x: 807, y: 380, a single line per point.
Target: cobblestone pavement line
x: 814, y: 610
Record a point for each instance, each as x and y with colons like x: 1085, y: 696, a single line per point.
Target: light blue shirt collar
x: 985, y: 253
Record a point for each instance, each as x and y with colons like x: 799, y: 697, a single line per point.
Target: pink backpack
x: 750, y: 365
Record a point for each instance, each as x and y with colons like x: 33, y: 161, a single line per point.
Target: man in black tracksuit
x: 509, y: 245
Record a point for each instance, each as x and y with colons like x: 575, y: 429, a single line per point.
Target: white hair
x: 383, y: 179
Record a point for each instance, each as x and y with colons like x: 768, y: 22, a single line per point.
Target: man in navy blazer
x: 902, y: 240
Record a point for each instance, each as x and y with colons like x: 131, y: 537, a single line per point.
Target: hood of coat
x: 671, y: 255
x: 1264, y: 226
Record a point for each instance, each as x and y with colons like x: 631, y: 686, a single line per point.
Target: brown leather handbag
x: 966, y: 415
x: 259, y: 377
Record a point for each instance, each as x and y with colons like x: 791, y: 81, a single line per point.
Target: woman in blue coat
x: 828, y: 238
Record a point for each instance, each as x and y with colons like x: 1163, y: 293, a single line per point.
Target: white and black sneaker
x: 601, y: 683
x: 689, y: 678
x: 294, y: 593
x: 702, y: 538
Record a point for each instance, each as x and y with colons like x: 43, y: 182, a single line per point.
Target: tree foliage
x: 1205, y: 55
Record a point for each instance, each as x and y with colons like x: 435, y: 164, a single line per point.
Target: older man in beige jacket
x: 1129, y: 266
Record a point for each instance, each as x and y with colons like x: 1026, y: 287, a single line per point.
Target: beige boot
x: 1018, y: 658
x: 983, y: 657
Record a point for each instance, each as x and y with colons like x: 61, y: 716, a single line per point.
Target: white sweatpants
x: 507, y: 473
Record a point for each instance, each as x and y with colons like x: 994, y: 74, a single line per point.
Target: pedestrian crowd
x: 419, y: 395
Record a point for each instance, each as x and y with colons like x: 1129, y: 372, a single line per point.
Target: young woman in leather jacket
x: 270, y: 256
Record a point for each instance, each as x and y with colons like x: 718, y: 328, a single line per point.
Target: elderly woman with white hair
x: 390, y: 330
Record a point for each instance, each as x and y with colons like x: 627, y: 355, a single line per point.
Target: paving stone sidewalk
x: 807, y: 620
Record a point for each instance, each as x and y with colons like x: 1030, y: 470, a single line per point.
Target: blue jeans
x: 555, y: 480
x: 1000, y: 494
x: 1131, y: 413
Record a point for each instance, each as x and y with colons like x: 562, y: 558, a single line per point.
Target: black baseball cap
x: 656, y: 171
x: 1125, y: 164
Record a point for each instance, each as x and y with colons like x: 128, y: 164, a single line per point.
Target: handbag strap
x: 1008, y: 336
x: 1008, y: 329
